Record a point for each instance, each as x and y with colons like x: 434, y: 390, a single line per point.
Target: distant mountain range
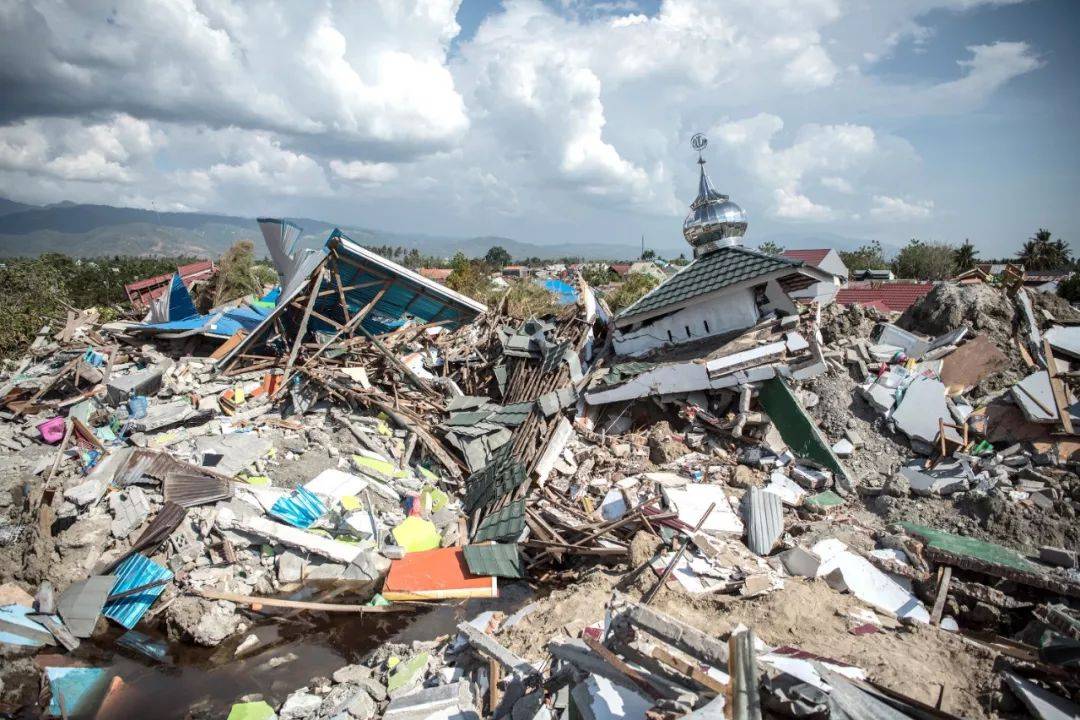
x: 97, y: 230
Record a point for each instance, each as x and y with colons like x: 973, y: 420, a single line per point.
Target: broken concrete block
x: 130, y: 509
x: 880, y: 397
x: 800, y: 562
x: 300, y: 705
x: 444, y: 700
x: 1058, y: 556
x: 87, y: 492
x: 361, y: 706
x: 843, y: 448
x: 920, y: 409
x: 945, y: 479
x: 290, y: 567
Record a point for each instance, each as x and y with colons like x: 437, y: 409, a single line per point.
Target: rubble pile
x: 824, y: 512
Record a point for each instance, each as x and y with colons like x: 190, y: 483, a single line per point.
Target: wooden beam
x: 252, y: 600
x: 942, y: 592
x: 356, y: 320
x: 1057, y: 388
x: 313, y: 295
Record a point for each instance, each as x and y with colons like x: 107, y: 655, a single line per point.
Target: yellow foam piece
x: 416, y: 534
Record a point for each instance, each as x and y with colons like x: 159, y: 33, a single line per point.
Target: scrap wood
x: 675, y: 561
x: 255, y: 602
x: 635, y: 676
x: 688, y: 669
x: 1044, y: 581
x: 1057, y: 388
x: 944, y: 576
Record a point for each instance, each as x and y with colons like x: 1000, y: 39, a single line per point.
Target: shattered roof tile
x: 499, y: 560
x: 512, y: 415
x: 503, y: 524
x: 468, y: 419
x: 715, y: 271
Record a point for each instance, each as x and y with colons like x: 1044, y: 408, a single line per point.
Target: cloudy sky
x: 557, y: 121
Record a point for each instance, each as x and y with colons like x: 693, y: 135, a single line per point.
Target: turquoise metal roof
x: 409, y: 294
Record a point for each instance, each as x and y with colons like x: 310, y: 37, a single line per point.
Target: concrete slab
x: 945, y: 479
x: 919, y: 410
x: 1065, y: 339
x: 1035, y: 398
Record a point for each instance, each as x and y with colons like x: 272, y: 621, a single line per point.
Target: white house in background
x: 644, y: 267
x: 825, y: 259
x: 726, y: 288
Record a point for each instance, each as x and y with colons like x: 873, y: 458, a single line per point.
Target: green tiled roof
x: 503, y: 524
x: 709, y: 273
x: 498, y: 560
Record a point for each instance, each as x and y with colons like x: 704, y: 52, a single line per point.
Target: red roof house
x: 436, y: 274
x: 895, y: 296
x: 141, y: 292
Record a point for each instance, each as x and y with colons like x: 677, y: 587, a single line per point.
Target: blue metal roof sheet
x: 136, y: 571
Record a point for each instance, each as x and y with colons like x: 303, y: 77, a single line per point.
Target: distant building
x: 726, y: 288
x: 1046, y: 280
x: 884, y: 296
x: 515, y: 271
x: 646, y: 267
x: 620, y: 269
x: 872, y: 274
x: 825, y: 259
x: 436, y: 274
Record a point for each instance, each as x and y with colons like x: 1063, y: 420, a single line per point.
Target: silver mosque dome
x: 714, y: 221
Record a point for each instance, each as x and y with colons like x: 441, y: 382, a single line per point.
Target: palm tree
x: 964, y: 257
x: 1036, y: 252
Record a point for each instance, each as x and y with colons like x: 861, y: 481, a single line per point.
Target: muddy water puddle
x: 205, y: 682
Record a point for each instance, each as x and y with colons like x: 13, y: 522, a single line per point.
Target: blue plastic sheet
x: 564, y: 290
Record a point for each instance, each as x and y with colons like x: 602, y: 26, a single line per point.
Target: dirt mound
x: 838, y: 321
x: 948, y: 306
x: 1057, y: 306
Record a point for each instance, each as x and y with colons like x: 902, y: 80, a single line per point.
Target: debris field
x: 822, y: 511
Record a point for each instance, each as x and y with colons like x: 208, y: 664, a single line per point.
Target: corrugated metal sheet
x: 499, y: 560
x: 504, y: 524
x: 188, y: 489
x: 135, y: 572
x: 159, y: 529
x: 300, y: 509
x: 764, y: 520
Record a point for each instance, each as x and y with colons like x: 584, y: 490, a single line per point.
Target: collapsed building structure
x: 719, y: 503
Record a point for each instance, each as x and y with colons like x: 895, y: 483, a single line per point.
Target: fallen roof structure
x: 343, y: 291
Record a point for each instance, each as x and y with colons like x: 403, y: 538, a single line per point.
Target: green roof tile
x: 502, y: 560
x: 709, y: 273
x: 503, y: 524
